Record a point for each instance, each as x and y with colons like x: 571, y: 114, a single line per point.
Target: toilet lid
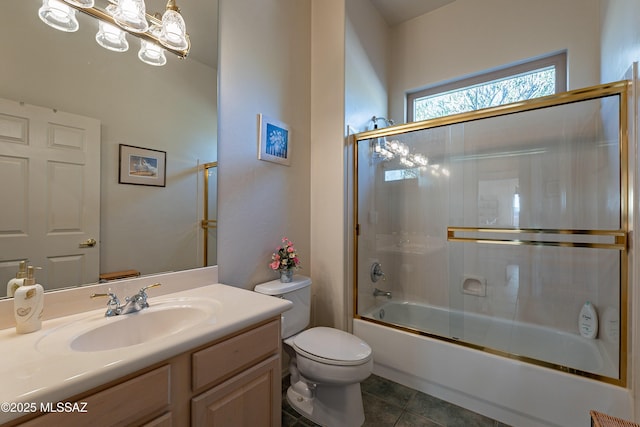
x: 332, y: 346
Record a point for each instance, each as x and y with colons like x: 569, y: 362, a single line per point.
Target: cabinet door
x: 250, y: 399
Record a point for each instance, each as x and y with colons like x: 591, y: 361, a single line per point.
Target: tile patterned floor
x: 388, y: 404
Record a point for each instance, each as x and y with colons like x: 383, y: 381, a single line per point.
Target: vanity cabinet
x: 121, y: 404
x: 233, y: 381
x: 238, y: 375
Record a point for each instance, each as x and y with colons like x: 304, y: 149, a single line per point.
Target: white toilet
x: 326, y: 366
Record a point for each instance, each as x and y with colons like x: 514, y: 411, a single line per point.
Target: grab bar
x: 617, y: 239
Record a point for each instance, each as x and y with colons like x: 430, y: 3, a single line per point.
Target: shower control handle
x: 376, y: 272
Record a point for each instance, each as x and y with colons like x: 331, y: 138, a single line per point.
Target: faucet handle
x: 142, y: 295
x: 113, y: 304
x: 155, y: 285
x: 111, y: 295
x: 376, y: 272
x: 92, y: 296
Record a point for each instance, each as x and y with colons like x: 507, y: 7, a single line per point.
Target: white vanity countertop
x: 33, y: 373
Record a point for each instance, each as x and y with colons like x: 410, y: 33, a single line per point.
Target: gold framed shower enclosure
x: 206, y: 224
x: 605, y: 240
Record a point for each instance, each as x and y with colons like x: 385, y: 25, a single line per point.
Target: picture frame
x: 274, y: 141
x: 142, y: 166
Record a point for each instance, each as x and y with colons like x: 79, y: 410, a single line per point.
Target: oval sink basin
x: 99, y: 333
x: 138, y: 328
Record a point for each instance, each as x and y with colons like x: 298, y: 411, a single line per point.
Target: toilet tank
x: 298, y: 291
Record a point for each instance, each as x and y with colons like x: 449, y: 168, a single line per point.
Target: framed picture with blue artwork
x: 274, y: 141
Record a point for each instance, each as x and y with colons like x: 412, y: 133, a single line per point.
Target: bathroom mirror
x: 172, y: 109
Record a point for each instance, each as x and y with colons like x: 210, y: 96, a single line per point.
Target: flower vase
x: 286, y: 276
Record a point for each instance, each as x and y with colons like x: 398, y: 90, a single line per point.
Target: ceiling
x: 398, y: 11
x: 201, y: 17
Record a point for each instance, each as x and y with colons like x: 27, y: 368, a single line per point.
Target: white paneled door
x: 49, y: 194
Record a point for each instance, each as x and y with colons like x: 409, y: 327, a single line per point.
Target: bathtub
x: 515, y: 338
x: 509, y: 390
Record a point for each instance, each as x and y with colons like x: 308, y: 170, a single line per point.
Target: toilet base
x: 329, y: 406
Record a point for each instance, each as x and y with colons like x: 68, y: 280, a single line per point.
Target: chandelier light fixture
x: 157, y: 33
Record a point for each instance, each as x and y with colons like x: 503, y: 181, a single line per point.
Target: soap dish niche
x: 474, y: 285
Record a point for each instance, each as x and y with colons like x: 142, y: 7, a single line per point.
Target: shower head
x: 387, y: 122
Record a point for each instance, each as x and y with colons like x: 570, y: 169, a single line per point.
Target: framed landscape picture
x: 142, y: 166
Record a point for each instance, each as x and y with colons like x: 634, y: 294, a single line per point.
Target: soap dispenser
x: 28, y: 303
x: 17, y: 281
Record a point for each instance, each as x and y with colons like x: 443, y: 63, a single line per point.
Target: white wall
x: 366, y: 79
x: 264, y: 67
x: 328, y: 228
x: 171, y: 108
x: 620, y: 41
x: 366, y: 65
x: 620, y: 47
x: 467, y: 37
x: 302, y: 83
x: 347, y: 88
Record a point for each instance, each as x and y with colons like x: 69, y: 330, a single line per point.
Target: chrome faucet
x: 380, y: 293
x: 376, y: 272
x: 132, y: 304
x: 113, y: 306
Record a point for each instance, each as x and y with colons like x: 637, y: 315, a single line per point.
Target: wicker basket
x: 599, y: 419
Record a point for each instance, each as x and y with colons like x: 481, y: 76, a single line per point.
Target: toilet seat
x: 331, y: 346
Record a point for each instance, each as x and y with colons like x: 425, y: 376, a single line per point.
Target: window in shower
x: 400, y: 174
x: 528, y: 80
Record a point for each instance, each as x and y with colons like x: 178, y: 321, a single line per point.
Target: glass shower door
x: 493, y: 230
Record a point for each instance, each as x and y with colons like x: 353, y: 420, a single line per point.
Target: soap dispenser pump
x: 28, y: 303
x: 17, y: 281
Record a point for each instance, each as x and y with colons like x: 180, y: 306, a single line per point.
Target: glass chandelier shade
x: 58, y: 15
x: 158, y: 34
x: 151, y: 53
x: 81, y: 3
x: 173, y: 32
x: 111, y: 37
x: 131, y: 15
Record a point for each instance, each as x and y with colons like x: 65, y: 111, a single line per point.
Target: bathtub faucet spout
x: 380, y: 293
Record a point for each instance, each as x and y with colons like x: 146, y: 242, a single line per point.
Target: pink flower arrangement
x: 285, y: 257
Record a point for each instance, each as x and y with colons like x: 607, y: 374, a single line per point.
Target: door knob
x: 89, y: 243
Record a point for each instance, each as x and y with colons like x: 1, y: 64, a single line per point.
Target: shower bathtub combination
x: 478, y: 239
